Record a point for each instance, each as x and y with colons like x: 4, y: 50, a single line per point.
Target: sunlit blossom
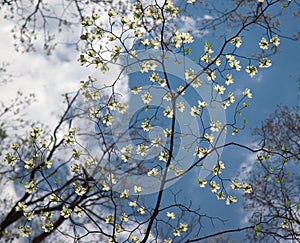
x: 230, y: 200
x: 47, y: 227
x: 247, y: 188
x: 209, y: 138
x: 235, y: 185
x: 214, y: 187
x: 264, y: 44
x: 202, y: 104
x: 237, y: 42
x: 275, y: 40
x: 215, y: 126
x: 153, y: 172
x: 107, y: 119
x: 265, y: 63
x: 195, y: 111
x: 168, y: 132
x: 66, y: 212
x: 219, y: 88
x: 180, y: 106
x: 252, y: 70
x: 171, y: 215
x: 220, y: 195
x: 163, y: 155
x: 189, y: 74
x: 217, y: 169
x: 25, y: 231
x: 146, y: 126
x: 31, y: 186
x: 142, y: 149
x: 124, y: 217
x: 211, y: 75
x: 137, y: 189
x: 183, y: 227
x: 230, y: 97
x: 167, y: 96
x: 168, y: 112
x: 235, y: 64
x: 156, y: 142
x: 176, y: 232
x: 202, y: 183
x: 247, y: 93
x: 132, y: 204
x: 78, y: 211
x: 196, y: 83
x: 28, y: 214
x: 146, y: 97
x: 141, y: 210
x: 136, y: 89
x: 180, y: 91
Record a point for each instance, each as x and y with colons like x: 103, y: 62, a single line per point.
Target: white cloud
x: 188, y: 24
x: 259, y: 78
x: 47, y: 76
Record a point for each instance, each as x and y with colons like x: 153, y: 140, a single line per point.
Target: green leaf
x: 283, y: 6
x: 208, y: 45
x: 257, y: 230
x: 102, y: 170
x: 283, y: 161
x: 298, y: 206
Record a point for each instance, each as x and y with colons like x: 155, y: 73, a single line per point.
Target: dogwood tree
x: 160, y: 105
x: 275, y: 197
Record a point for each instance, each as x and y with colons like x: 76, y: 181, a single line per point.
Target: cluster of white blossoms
x: 126, y: 153
x: 196, y: 110
x: 201, y: 152
x: 180, y: 38
x: 183, y: 227
x: 146, y: 97
x: 206, y: 57
x: 100, y: 56
x: 70, y: 137
x: 79, y: 189
x: 217, y: 169
x: 237, y: 41
x: 153, y: 172
x: 30, y: 187
x: 142, y: 150
x: 148, y: 65
x: 233, y: 63
x: 216, y: 187
x: 46, y: 217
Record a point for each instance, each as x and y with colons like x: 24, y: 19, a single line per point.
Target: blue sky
x: 50, y: 76
x: 275, y: 85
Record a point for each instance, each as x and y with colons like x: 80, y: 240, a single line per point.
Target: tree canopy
x: 163, y: 102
